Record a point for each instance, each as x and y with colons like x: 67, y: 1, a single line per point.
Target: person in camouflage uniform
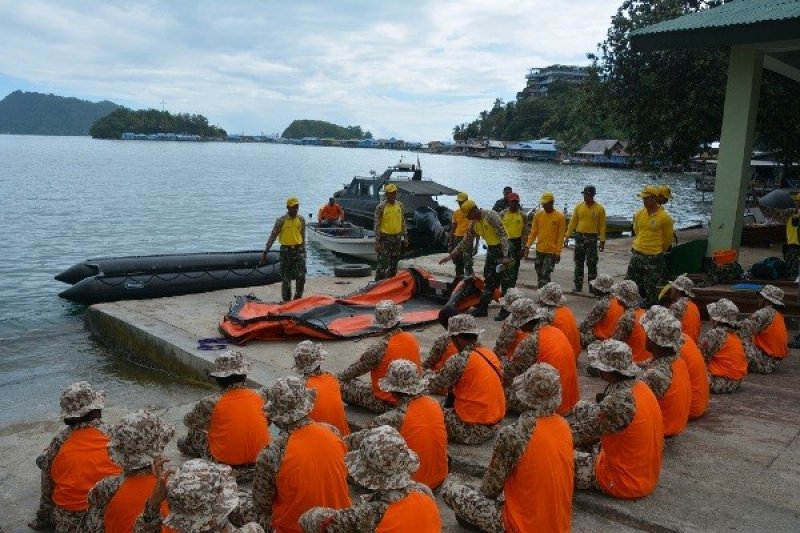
x: 391, y: 235
x: 516, y: 225
x: 791, y: 217
x: 539, y: 391
x: 519, y: 308
x: 328, y: 406
x: 290, y: 230
x: 601, y: 286
x: 767, y: 316
x: 588, y: 224
x: 81, y: 409
x: 724, y: 331
x: 547, y: 231
x: 201, y: 495
x: 383, y: 464
x: 653, y: 235
x: 458, y: 228
x: 502, y: 203
x: 136, y: 442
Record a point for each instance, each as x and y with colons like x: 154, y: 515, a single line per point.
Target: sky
x: 405, y: 69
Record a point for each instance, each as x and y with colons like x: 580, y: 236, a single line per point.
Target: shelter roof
x: 424, y: 188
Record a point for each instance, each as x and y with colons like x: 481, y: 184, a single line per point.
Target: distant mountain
x: 47, y: 114
x: 148, y: 121
x: 323, y: 130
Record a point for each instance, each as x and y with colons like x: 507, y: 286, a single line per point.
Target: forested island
x: 149, y: 121
x: 299, y: 129
x: 30, y: 113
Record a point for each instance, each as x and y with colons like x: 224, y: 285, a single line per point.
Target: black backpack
x: 769, y: 269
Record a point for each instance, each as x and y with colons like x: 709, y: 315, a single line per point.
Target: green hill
x: 47, y: 114
x: 324, y: 130
x: 122, y: 120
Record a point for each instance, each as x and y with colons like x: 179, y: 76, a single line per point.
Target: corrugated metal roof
x: 424, y: 188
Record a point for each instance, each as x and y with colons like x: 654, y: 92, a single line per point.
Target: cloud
x: 408, y: 69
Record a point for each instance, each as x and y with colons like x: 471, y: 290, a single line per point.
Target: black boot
x: 502, y: 315
x: 483, y: 306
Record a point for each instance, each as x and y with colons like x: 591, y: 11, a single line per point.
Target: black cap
x: 589, y: 189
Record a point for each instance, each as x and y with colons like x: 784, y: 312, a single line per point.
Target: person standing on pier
x: 654, y: 232
x: 458, y: 229
x: 391, y: 236
x: 516, y: 225
x: 502, y: 203
x: 791, y: 216
x: 547, y: 231
x: 290, y: 230
x: 588, y: 223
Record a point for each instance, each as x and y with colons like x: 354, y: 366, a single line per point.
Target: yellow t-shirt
x: 587, y: 219
x: 392, y: 219
x: 791, y: 230
x: 485, y: 230
x: 548, y: 232
x: 654, y: 232
x: 514, y: 223
x: 460, y: 223
x: 291, y: 232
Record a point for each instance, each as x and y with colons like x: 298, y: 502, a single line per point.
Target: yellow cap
x: 547, y: 198
x: 650, y: 190
x: 468, y: 206
x: 462, y: 197
x: 292, y: 201
x: 665, y: 191
x: 390, y: 188
x: 796, y: 197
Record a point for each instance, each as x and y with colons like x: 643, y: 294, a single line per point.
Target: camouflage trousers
x: 293, y: 267
x: 356, y: 392
x: 720, y: 385
x: 544, y: 265
x: 389, y: 249
x: 494, y: 255
x: 791, y: 256
x: 60, y: 520
x: 471, y: 506
x: 758, y: 361
x: 585, y: 478
x: 585, y: 251
x: 195, y: 444
x: 464, y: 432
x: 462, y: 261
x: 585, y: 426
x: 649, y: 272
x: 511, y: 273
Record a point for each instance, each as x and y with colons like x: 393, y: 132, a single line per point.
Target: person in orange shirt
x: 684, y: 309
x: 766, y: 340
x: 531, y: 467
x: 395, y: 344
x: 601, y: 322
x: 509, y: 337
x: 328, y: 406
x: 561, y: 316
x: 418, y: 418
x: 301, y: 469
x: 698, y: 376
x: 629, y: 328
x: 723, y: 349
x: 331, y: 214
x: 383, y: 464
x: 229, y: 427
x: 117, y: 501
x: 75, y: 460
x: 628, y: 424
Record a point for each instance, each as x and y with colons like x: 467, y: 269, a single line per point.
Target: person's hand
x: 445, y: 259
x: 506, y: 260
x: 263, y: 260
x: 558, y: 259
x: 159, y: 493
x: 602, y: 246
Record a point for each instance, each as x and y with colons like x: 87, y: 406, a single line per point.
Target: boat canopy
x: 424, y: 188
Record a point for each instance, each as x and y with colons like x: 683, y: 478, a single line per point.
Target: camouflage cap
x: 512, y: 295
x: 602, y: 283
x: 289, y: 401
x: 463, y: 324
x: 388, y: 314
x: 723, y: 310
x: 612, y: 356
x: 552, y: 295
x: 201, y: 495
x: 138, y: 439
x: 539, y: 389
x: 662, y: 327
x: 683, y: 284
x: 772, y: 294
x: 79, y: 399
x: 383, y: 461
x: 540, y: 313
x: 521, y: 310
x: 627, y: 292
x: 308, y: 356
x: 230, y: 363
x: 403, y: 376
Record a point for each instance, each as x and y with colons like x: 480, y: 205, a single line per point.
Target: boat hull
x: 350, y: 241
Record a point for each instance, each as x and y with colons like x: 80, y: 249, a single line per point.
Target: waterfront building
x: 539, y: 80
x: 605, y: 152
x: 534, y: 150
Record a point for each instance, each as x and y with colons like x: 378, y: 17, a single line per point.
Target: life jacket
x: 698, y: 377
x: 629, y: 462
x: 555, y: 350
x: 402, y: 345
x: 539, y: 489
x: 677, y: 400
x: 604, y: 329
x: 638, y: 339
x: 565, y: 321
x: 238, y: 429
x: 80, y: 463
x: 449, y: 352
x: 291, y: 231
x: 127, y: 504
x: 328, y: 407
x: 774, y: 339
x: 312, y: 474
x: 424, y: 431
x: 479, y: 395
x: 392, y: 220
x: 691, y: 321
x: 791, y: 229
x: 729, y: 362
x: 415, y: 512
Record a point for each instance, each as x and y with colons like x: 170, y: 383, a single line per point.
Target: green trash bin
x: 687, y: 258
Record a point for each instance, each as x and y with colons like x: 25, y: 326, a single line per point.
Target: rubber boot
x: 299, y: 286
x: 483, y: 306
x: 502, y: 315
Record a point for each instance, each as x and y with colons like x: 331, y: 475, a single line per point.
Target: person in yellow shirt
x: 290, y: 231
x: 790, y: 216
x: 516, y: 225
x: 458, y: 228
x: 588, y: 223
x: 547, y: 231
x: 391, y: 237
x: 331, y: 214
x: 653, y: 230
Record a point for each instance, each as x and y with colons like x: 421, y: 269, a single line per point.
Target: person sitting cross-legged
x: 766, y: 340
x: 551, y: 296
x: 601, y: 322
x: 723, y: 349
x: 629, y: 328
x: 509, y: 338
x: 683, y: 307
x: 328, y: 405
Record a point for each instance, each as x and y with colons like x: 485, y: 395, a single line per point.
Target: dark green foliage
x: 150, y: 121
x: 47, y: 114
x: 778, y: 123
x: 323, y: 130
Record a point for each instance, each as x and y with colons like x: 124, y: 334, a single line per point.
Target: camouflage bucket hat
x: 201, y: 495
x: 403, y: 376
x: 539, y: 388
x: 612, y: 356
x: 79, y: 399
x: 772, y: 294
x: 521, y: 310
x: 602, y: 283
x: 289, y: 401
x: 723, y: 310
x: 512, y: 295
x: 388, y: 314
x: 552, y: 295
x: 540, y: 313
x: 461, y: 324
x: 662, y: 328
x: 230, y: 363
x: 683, y: 284
x: 383, y: 461
x: 308, y: 356
x: 138, y: 439
x: 627, y: 292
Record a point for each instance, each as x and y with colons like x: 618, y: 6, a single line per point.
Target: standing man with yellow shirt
x: 458, y: 228
x: 515, y: 223
x: 290, y: 230
x: 653, y: 230
x: 390, y: 233
x: 588, y: 222
x: 547, y: 231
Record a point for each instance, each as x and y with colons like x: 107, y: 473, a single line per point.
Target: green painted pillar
x: 736, y: 147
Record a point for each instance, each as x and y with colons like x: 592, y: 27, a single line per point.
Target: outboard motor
x: 426, y: 220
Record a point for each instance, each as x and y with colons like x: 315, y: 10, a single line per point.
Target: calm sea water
x: 64, y: 199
